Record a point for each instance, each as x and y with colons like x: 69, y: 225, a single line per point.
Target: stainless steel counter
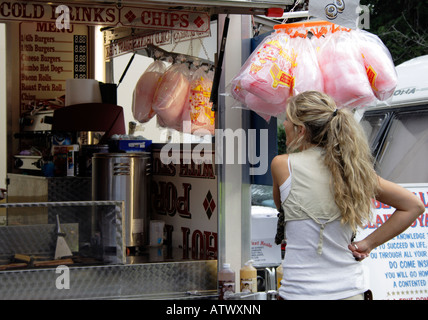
x: 155, y: 273
x: 172, y: 280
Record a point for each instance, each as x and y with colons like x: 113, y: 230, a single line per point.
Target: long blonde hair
x: 347, y: 153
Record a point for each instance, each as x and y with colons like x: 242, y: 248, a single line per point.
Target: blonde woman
x: 325, y: 186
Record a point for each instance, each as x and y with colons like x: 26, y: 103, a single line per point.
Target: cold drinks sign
x: 106, y: 15
x: 398, y: 269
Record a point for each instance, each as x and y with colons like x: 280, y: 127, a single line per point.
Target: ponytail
x: 347, y: 154
x: 349, y: 159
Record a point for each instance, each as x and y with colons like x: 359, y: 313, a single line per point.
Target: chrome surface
x: 124, y: 176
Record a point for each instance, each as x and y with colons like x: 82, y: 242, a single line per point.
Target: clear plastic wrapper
x: 144, y: 91
x: 378, y: 63
x: 307, y: 73
x: 342, y: 67
x: 267, y: 72
x: 199, y: 108
x: 242, y: 96
x: 352, y: 66
x: 171, y: 96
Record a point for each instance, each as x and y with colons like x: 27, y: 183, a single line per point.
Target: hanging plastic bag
x: 307, y: 73
x: 144, y: 91
x: 248, y: 100
x: 378, y: 63
x: 199, y: 109
x: 267, y: 72
x: 171, y: 96
x: 344, y: 75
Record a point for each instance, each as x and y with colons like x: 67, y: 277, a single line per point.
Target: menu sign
x: 398, y: 269
x: 105, y: 15
x: 48, y: 57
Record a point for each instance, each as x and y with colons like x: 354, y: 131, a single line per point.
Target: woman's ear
x: 301, y: 131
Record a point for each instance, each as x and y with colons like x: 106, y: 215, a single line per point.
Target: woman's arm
x: 408, y: 208
x: 280, y: 173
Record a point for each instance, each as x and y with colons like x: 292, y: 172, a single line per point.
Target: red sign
x: 44, y: 12
x: 105, y: 15
x: 165, y: 19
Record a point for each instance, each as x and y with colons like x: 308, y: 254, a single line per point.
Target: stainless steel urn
x: 123, y: 176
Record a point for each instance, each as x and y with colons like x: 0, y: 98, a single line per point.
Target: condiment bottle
x: 226, y: 282
x: 279, y: 275
x: 248, y: 276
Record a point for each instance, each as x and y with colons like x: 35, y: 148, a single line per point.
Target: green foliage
x: 402, y: 25
x: 281, y: 139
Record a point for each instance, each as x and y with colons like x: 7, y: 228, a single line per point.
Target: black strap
x: 280, y: 227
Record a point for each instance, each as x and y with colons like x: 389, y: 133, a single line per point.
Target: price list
x: 48, y: 58
x: 80, y: 57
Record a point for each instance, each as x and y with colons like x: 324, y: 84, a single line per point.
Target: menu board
x: 398, y: 269
x: 48, y: 57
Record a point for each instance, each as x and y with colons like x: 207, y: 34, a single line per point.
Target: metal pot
x: 123, y: 176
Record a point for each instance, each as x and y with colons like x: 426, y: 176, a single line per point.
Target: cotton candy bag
x: 144, y: 91
x: 378, y: 63
x: 249, y: 100
x: 199, y: 108
x: 307, y: 73
x: 267, y: 72
x: 344, y: 75
x: 171, y: 96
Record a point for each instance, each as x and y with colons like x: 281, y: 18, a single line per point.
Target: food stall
x: 111, y: 198
x: 67, y: 118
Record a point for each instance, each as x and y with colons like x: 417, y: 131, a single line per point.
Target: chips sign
x: 165, y: 19
x: 105, y: 15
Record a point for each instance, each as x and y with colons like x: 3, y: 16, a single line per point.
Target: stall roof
x: 213, y: 6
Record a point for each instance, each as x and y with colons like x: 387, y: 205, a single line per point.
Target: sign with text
x: 398, y: 269
x: 165, y: 19
x: 105, y: 15
x: 137, y: 42
x: 46, y: 12
x: 185, y: 197
x: 48, y: 57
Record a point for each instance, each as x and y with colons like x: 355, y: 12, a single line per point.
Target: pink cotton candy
x: 267, y: 72
x: 378, y: 63
x: 249, y: 100
x: 143, y: 96
x: 263, y: 108
x: 344, y: 75
x: 307, y: 73
x: 144, y: 91
x: 171, y: 96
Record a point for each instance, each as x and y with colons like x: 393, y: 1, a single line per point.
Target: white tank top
x: 333, y: 274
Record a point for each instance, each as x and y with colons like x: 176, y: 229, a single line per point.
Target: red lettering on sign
x: 183, y: 202
x: 165, y: 200
x: 204, y: 244
x: 184, y: 20
x: 186, y: 232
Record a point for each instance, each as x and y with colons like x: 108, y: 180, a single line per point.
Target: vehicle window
x: 371, y: 125
x: 402, y: 158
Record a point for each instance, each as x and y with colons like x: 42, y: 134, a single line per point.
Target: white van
x: 398, y: 134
